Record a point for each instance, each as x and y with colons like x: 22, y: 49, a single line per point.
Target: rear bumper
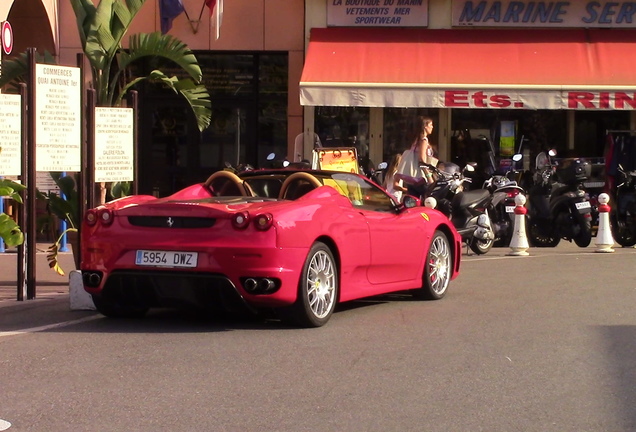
x: 221, y: 269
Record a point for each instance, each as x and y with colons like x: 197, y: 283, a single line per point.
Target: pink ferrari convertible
x: 297, y: 242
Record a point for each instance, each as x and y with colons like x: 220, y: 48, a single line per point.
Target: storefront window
x: 591, y: 128
x: 249, y: 120
x: 344, y: 127
x: 397, y: 129
x: 490, y: 136
x: 272, y: 108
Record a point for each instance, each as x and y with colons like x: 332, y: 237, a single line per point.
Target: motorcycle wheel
x: 622, y: 232
x: 538, y: 238
x: 480, y: 247
x: 584, y: 237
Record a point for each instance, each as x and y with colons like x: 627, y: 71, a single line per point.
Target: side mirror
x: 409, y: 201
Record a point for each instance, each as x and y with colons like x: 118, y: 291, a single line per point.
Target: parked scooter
x: 502, y: 205
x: 557, y: 204
x: 467, y: 210
x: 623, y: 213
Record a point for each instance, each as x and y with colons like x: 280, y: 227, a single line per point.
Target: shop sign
x: 572, y: 100
x: 377, y: 13
x: 509, y: 13
x: 336, y: 159
x: 528, y: 99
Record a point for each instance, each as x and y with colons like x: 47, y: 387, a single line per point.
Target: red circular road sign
x: 7, y: 37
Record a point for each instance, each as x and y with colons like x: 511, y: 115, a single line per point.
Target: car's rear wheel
x: 317, y: 289
x: 438, y: 269
x: 114, y: 309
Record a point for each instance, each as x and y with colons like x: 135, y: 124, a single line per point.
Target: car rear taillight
x: 241, y: 220
x: 91, y: 217
x: 263, y: 221
x: 105, y: 217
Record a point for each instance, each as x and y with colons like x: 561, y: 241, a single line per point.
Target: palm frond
x: 199, y: 100
x: 162, y: 46
x: 196, y: 95
x: 84, y: 14
x: 14, y: 70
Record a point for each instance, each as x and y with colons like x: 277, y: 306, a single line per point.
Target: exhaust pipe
x: 94, y: 279
x: 250, y: 284
x: 266, y: 284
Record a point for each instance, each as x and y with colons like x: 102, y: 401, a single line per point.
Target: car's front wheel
x: 317, y: 289
x: 438, y: 269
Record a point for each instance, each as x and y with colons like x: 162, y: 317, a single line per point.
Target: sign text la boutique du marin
x: 504, y: 13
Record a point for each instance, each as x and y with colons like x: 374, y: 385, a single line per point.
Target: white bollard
x: 80, y: 299
x: 604, y: 240
x: 519, y: 242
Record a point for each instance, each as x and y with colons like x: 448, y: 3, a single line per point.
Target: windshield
x: 360, y: 192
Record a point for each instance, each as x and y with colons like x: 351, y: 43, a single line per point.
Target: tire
x: 539, y: 239
x: 480, y: 247
x: 317, y: 290
x: 113, y: 309
x: 438, y: 269
x: 584, y: 237
x: 624, y: 233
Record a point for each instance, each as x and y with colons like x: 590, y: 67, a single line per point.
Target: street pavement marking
x: 47, y: 327
x: 475, y: 258
x: 4, y: 425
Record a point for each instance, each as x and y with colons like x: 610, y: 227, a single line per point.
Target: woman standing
x: 409, y: 171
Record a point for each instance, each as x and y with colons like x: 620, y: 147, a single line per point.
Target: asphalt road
x: 539, y: 343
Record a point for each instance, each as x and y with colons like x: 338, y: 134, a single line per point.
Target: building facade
x: 251, y: 67
x: 497, y: 77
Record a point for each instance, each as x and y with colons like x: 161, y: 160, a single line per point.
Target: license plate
x: 166, y: 258
x: 583, y: 206
x: 510, y: 209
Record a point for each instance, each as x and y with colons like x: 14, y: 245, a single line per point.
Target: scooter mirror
x: 517, y: 157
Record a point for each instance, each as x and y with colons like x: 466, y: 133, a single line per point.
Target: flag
x: 169, y: 10
x: 216, y: 8
x: 211, y: 4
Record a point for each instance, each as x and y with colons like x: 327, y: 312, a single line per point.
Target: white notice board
x: 10, y: 135
x: 114, y: 144
x: 58, y: 107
